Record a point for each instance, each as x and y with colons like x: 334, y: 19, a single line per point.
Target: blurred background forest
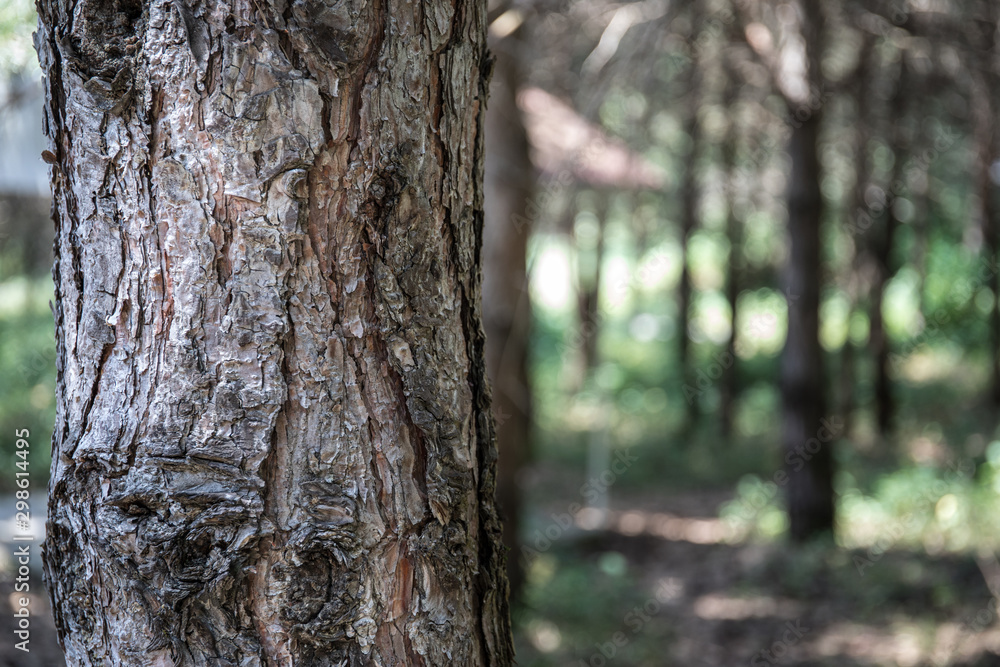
x: 741, y: 291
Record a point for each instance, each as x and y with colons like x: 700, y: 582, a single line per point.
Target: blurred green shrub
x: 27, y: 374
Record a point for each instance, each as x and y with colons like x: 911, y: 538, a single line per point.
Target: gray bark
x: 274, y: 443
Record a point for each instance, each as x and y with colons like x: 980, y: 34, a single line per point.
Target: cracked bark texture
x: 273, y: 443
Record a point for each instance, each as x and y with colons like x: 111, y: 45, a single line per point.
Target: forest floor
x: 43, y: 648
x: 662, y: 583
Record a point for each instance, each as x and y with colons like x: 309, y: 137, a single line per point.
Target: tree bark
x: 809, y: 468
x: 273, y: 443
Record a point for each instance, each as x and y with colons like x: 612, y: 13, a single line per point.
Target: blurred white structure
x: 22, y: 171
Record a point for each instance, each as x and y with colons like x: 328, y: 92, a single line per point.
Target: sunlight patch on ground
x: 658, y: 524
x: 670, y: 589
x: 867, y: 643
x: 901, y: 644
x: 719, y: 607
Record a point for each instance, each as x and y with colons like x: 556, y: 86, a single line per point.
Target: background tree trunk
x: 274, y: 443
x: 689, y: 197
x: 506, y: 301
x: 885, y: 405
x: 809, y: 468
x: 589, y: 266
x: 856, y: 262
x: 983, y: 104
x: 734, y: 234
x: 810, y: 488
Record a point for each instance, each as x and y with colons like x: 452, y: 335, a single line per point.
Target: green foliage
x: 17, y: 19
x: 27, y: 366
x: 577, y: 604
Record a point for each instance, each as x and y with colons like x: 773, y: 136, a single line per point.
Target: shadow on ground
x: 658, y: 586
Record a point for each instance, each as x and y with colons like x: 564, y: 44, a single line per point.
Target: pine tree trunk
x: 858, y: 253
x: 273, y: 443
x: 985, y: 140
x: 885, y: 405
x: 734, y: 234
x: 688, y: 224
x: 807, y: 440
x: 807, y: 451
x: 588, y: 279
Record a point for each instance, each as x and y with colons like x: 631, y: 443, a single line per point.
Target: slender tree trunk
x: 983, y: 111
x: 846, y: 377
x: 506, y: 303
x: 730, y: 377
x: 689, y: 222
x: 922, y: 204
x: 274, y: 443
x: 857, y: 215
x: 806, y: 439
x: 589, y: 276
x: 589, y: 283
x: 878, y: 337
x: 734, y: 234
x: 885, y: 407
x: 810, y: 489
